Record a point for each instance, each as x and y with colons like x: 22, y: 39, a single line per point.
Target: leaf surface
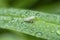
x: 46, y: 26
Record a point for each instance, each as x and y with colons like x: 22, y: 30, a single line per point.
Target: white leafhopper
x: 29, y: 19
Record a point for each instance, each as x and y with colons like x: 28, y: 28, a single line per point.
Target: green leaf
x: 14, y: 35
x: 44, y: 25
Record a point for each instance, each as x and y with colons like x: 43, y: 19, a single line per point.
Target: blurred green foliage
x: 48, y: 6
x: 13, y: 35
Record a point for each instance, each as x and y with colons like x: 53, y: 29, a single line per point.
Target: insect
x: 29, y: 19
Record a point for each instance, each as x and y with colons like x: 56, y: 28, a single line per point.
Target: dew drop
x: 38, y: 34
x: 31, y: 30
x: 58, y: 32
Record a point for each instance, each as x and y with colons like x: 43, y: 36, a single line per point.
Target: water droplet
x: 38, y: 34
x: 58, y: 32
x: 31, y: 30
